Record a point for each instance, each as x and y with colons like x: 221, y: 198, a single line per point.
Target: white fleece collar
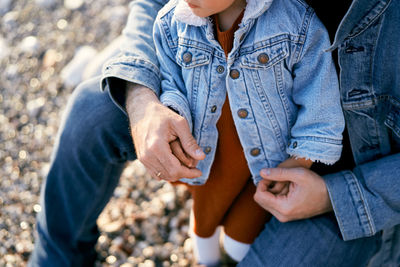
x: 253, y: 9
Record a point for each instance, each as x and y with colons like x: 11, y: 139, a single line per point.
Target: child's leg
x: 235, y: 249
x: 243, y: 223
x: 206, y: 249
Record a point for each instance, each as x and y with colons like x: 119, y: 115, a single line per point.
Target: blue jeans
x: 92, y: 148
x: 311, y: 243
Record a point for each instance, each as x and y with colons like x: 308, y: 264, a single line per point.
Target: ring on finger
x: 158, y: 174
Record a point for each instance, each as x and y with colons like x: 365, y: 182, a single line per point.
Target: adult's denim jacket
x: 366, y: 199
x: 282, y: 87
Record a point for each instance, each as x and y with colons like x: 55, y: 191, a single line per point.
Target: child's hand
x: 180, y: 154
x: 278, y: 188
x: 282, y: 188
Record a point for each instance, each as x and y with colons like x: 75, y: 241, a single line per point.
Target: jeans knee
x: 92, y: 119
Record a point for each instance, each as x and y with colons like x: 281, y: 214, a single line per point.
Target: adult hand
x: 162, y: 138
x: 307, y: 195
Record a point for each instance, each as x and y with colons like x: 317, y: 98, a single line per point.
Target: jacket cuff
x: 324, y: 150
x: 171, y: 100
x: 349, y: 204
x: 133, y: 70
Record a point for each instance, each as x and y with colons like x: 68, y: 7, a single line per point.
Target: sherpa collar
x: 253, y: 9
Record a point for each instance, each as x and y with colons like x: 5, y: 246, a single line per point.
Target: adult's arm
x: 365, y: 200
x: 137, y: 61
x: 133, y: 78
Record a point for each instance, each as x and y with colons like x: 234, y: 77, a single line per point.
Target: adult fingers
x: 283, y: 174
x: 184, y: 158
x: 187, y: 140
x: 264, y: 197
x: 173, y: 169
x: 277, y: 187
x: 274, y: 203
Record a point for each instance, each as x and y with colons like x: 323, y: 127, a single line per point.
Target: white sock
x: 235, y: 249
x: 206, y: 250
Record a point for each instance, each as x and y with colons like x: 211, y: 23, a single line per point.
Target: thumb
x: 279, y: 174
x: 189, y: 144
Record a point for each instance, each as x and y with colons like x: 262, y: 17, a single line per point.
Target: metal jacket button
x: 263, y: 58
x: 234, y: 74
x: 294, y: 144
x: 213, y: 109
x: 220, y: 69
x: 187, y: 57
x: 242, y: 113
x: 255, y: 152
x: 207, y: 149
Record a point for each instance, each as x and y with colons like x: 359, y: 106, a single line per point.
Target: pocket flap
x: 265, y: 56
x: 191, y: 56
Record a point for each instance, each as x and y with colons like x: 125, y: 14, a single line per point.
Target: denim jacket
x: 282, y: 87
x: 366, y: 200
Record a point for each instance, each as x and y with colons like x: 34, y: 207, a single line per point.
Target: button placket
x: 255, y: 152
x: 220, y: 69
x: 242, y: 113
x: 207, y: 149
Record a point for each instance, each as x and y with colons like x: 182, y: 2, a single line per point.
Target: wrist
x: 138, y: 99
x: 293, y: 162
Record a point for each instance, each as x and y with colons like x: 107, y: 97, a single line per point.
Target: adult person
x: 94, y: 143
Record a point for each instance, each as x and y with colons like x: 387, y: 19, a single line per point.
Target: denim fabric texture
x: 285, y: 82
x: 94, y: 143
x: 367, y: 199
x: 90, y: 153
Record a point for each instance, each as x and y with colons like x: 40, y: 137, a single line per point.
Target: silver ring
x: 158, y: 174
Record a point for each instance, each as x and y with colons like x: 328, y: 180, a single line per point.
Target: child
x: 257, y: 90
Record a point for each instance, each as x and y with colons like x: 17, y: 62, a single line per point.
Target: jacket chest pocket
x: 189, y: 57
x: 265, y: 56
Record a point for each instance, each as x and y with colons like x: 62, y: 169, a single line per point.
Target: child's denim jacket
x: 282, y: 86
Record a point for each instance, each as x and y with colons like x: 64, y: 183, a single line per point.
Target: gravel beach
x: 146, y: 222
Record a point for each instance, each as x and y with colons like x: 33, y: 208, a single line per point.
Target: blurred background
x: 46, y: 48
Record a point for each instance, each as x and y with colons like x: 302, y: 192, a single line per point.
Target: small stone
x: 30, y: 45
x: 4, y: 49
x: 72, y: 73
x: 50, y: 58
x: 73, y: 4
x: 111, y: 259
x: 113, y: 226
x: 45, y: 3
x: 148, y: 263
x: 148, y: 252
x: 5, y: 6
x: 34, y: 106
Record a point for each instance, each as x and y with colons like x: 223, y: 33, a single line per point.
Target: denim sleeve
x: 137, y: 61
x: 173, y: 89
x: 317, y: 132
x: 367, y: 199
